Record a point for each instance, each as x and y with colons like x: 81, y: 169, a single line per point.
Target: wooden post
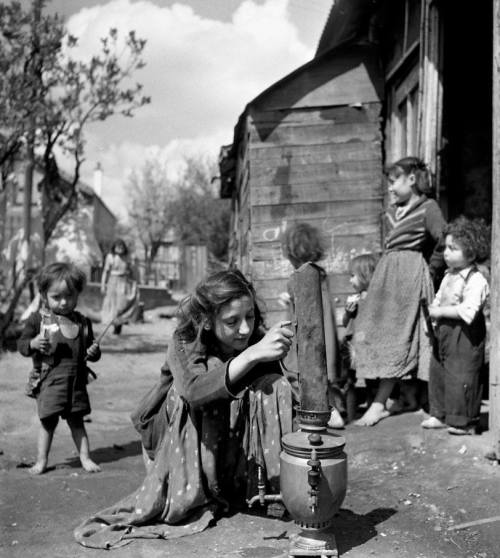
x: 311, y: 354
x: 494, y: 417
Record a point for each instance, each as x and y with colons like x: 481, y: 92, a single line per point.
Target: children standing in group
x: 217, y: 414
x: 301, y: 243
x: 391, y: 340
x: 59, y: 354
x: 454, y: 386
x: 361, y: 269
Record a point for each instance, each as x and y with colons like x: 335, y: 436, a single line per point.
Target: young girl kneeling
x: 214, y: 419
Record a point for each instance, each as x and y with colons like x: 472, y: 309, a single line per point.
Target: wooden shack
x: 308, y: 149
x: 430, y: 69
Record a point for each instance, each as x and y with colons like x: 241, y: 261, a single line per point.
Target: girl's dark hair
x: 363, y: 267
x: 473, y: 236
x: 203, y: 305
x: 73, y: 276
x: 119, y: 242
x: 302, y: 243
x: 412, y: 165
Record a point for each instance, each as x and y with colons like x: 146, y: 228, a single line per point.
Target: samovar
x: 313, y: 473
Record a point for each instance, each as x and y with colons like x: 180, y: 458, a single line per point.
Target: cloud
x: 200, y: 74
x: 119, y: 160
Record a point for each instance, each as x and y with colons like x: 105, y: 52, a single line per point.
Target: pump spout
x: 314, y: 478
x: 262, y: 497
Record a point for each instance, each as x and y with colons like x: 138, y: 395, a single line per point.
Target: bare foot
x: 394, y: 406
x: 374, y: 414
x: 38, y: 468
x: 336, y: 420
x: 89, y: 465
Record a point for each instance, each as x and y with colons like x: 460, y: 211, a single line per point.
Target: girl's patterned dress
x: 391, y: 338
x: 121, y: 300
x: 206, y: 441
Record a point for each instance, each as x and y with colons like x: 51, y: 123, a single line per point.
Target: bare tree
x: 48, y: 96
x: 151, y: 195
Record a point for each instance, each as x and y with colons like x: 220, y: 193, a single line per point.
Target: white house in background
x: 84, y: 235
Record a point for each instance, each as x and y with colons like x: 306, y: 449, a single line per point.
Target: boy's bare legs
x: 45, y: 435
x: 79, y: 434
x: 377, y: 411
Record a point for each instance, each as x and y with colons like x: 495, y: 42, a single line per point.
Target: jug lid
x: 325, y: 442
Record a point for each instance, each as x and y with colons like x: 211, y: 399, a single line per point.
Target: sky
x: 205, y: 60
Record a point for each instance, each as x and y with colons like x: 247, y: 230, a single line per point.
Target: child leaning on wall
x: 455, y: 378
x: 391, y: 340
x: 301, y: 243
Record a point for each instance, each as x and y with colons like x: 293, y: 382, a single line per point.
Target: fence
x: 180, y: 274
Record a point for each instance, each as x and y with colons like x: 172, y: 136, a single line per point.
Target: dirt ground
x: 407, y: 487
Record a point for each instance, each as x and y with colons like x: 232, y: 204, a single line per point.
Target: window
x: 401, y: 49
x: 403, y: 117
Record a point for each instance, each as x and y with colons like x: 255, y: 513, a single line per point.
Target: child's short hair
x: 363, y: 267
x: 473, y: 236
x: 119, y: 242
x: 302, y: 243
x: 72, y: 275
x: 203, y: 305
x: 412, y: 165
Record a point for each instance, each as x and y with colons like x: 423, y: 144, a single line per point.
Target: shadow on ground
x: 130, y: 343
x: 352, y: 529
x: 108, y: 454
x: 143, y: 347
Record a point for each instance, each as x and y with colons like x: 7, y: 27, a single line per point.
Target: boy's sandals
x: 432, y: 423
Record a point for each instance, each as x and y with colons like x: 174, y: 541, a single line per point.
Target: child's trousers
x: 455, y: 388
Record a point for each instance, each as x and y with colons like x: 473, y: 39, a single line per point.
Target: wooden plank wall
x: 320, y: 165
x: 240, y: 248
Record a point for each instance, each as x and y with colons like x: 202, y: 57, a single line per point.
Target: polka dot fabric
x: 205, y: 461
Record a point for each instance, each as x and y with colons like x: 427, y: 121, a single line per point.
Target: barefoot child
x: 454, y: 386
x: 390, y: 340
x: 59, y: 352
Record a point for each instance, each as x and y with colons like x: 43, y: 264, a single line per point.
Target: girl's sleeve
x: 434, y: 224
x: 200, y: 379
x: 90, y: 340
x: 31, y: 330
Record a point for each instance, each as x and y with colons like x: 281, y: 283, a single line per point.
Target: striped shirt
x: 418, y: 227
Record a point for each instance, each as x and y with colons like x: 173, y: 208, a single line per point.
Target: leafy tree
x: 48, y: 96
x: 150, y: 197
x: 199, y: 215
x: 188, y: 206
